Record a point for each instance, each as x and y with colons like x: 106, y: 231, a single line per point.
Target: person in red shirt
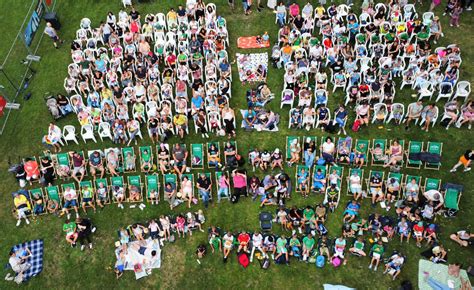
x: 32, y: 169
x: 243, y: 239
x: 418, y: 230
x: 171, y: 60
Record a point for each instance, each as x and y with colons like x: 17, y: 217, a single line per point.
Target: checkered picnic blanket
x: 36, y: 260
x: 248, y: 65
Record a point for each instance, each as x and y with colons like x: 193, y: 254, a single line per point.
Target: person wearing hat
x: 418, y: 230
x: 277, y: 159
x: 375, y: 186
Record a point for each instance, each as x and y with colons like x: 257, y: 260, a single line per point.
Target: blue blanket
x: 36, y: 260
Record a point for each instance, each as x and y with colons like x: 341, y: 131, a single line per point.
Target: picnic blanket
x: 439, y: 273
x: 36, y: 248
x: 248, y: 65
x: 135, y: 257
x: 336, y: 287
x: 251, y: 42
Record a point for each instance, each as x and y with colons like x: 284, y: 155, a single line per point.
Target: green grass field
x: 69, y: 268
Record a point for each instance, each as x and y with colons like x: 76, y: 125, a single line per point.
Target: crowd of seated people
x: 365, y: 54
x: 159, y: 71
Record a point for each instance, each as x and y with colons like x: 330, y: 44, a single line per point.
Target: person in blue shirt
x: 319, y: 181
x: 341, y: 117
x: 249, y: 119
x: 351, y: 212
x: 303, y: 182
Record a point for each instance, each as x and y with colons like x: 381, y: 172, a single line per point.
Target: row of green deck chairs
x: 146, y: 157
x: 452, y: 193
x: 364, y: 147
x: 152, y: 188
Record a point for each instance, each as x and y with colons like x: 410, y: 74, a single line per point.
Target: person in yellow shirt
x: 22, y: 206
x: 181, y: 123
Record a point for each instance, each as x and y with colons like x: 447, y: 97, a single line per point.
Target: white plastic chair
x: 104, y: 131
x: 448, y: 91
x: 433, y: 121
x: 127, y: 3
x: 426, y: 90
x: 463, y: 89
x: 377, y: 108
x: 87, y: 133
x: 392, y: 115
x: 69, y: 134
x: 288, y: 101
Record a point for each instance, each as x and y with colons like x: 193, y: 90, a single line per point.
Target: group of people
x: 140, y: 236
x: 365, y: 54
x: 135, y: 70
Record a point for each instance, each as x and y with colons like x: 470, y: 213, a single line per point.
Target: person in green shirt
x: 295, y: 246
x: 377, y: 251
x: 71, y: 234
x: 87, y: 198
x: 216, y: 243
x: 308, y: 214
x: 308, y: 245
x: 146, y: 161
x: 358, y: 247
x: 281, y: 248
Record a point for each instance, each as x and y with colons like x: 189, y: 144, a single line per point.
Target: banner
x: 34, y: 23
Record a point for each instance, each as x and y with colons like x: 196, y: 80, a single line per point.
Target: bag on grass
x: 265, y: 263
x: 336, y: 262
x: 320, y: 261
x: 356, y: 126
x: 244, y: 259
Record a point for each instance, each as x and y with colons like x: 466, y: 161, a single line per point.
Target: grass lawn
x: 69, y: 268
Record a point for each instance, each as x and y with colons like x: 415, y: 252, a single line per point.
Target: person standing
x: 466, y: 160
x: 455, y: 15
x: 51, y: 32
x: 84, y: 231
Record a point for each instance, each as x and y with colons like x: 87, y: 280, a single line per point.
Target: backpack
x: 356, y: 126
x: 332, y: 128
x: 265, y: 264
x: 244, y: 260
x: 336, y: 262
x: 320, y: 261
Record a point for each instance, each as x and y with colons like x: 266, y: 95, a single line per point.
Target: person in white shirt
x: 70, y: 200
x: 257, y: 244
x: 354, y: 184
x: 435, y: 196
x: 18, y: 264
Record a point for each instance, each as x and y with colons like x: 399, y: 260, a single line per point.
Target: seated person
x: 265, y: 159
x: 463, y: 238
x: 319, y: 181
x: 411, y: 191
x: 377, y: 252
x: 281, y: 249
x: 22, y: 207
x: 243, y: 240
x: 230, y: 154
x: 351, y: 212
x: 378, y: 154
x: 358, y: 247
x: 129, y: 161
x: 355, y: 186
x: 303, y: 179
x: 267, y: 199
x: 71, y: 232
x: 277, y: 159
x: 308, y: 245
x: 339, y: 248
x: 295, y: 246
x: 87, y: 198
x: 395, y: 154
x: 332, y: 194
x: 394, y: 265
x: 269, y: 245
x: 375, y: 186
x: 134, y: 192
x: 213, y: 155
x: 70, y: 200
x: 118, y: 193
x: 393, y: 190
x: 323, y: 246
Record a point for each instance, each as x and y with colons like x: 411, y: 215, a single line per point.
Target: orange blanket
x: 251, y: 42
